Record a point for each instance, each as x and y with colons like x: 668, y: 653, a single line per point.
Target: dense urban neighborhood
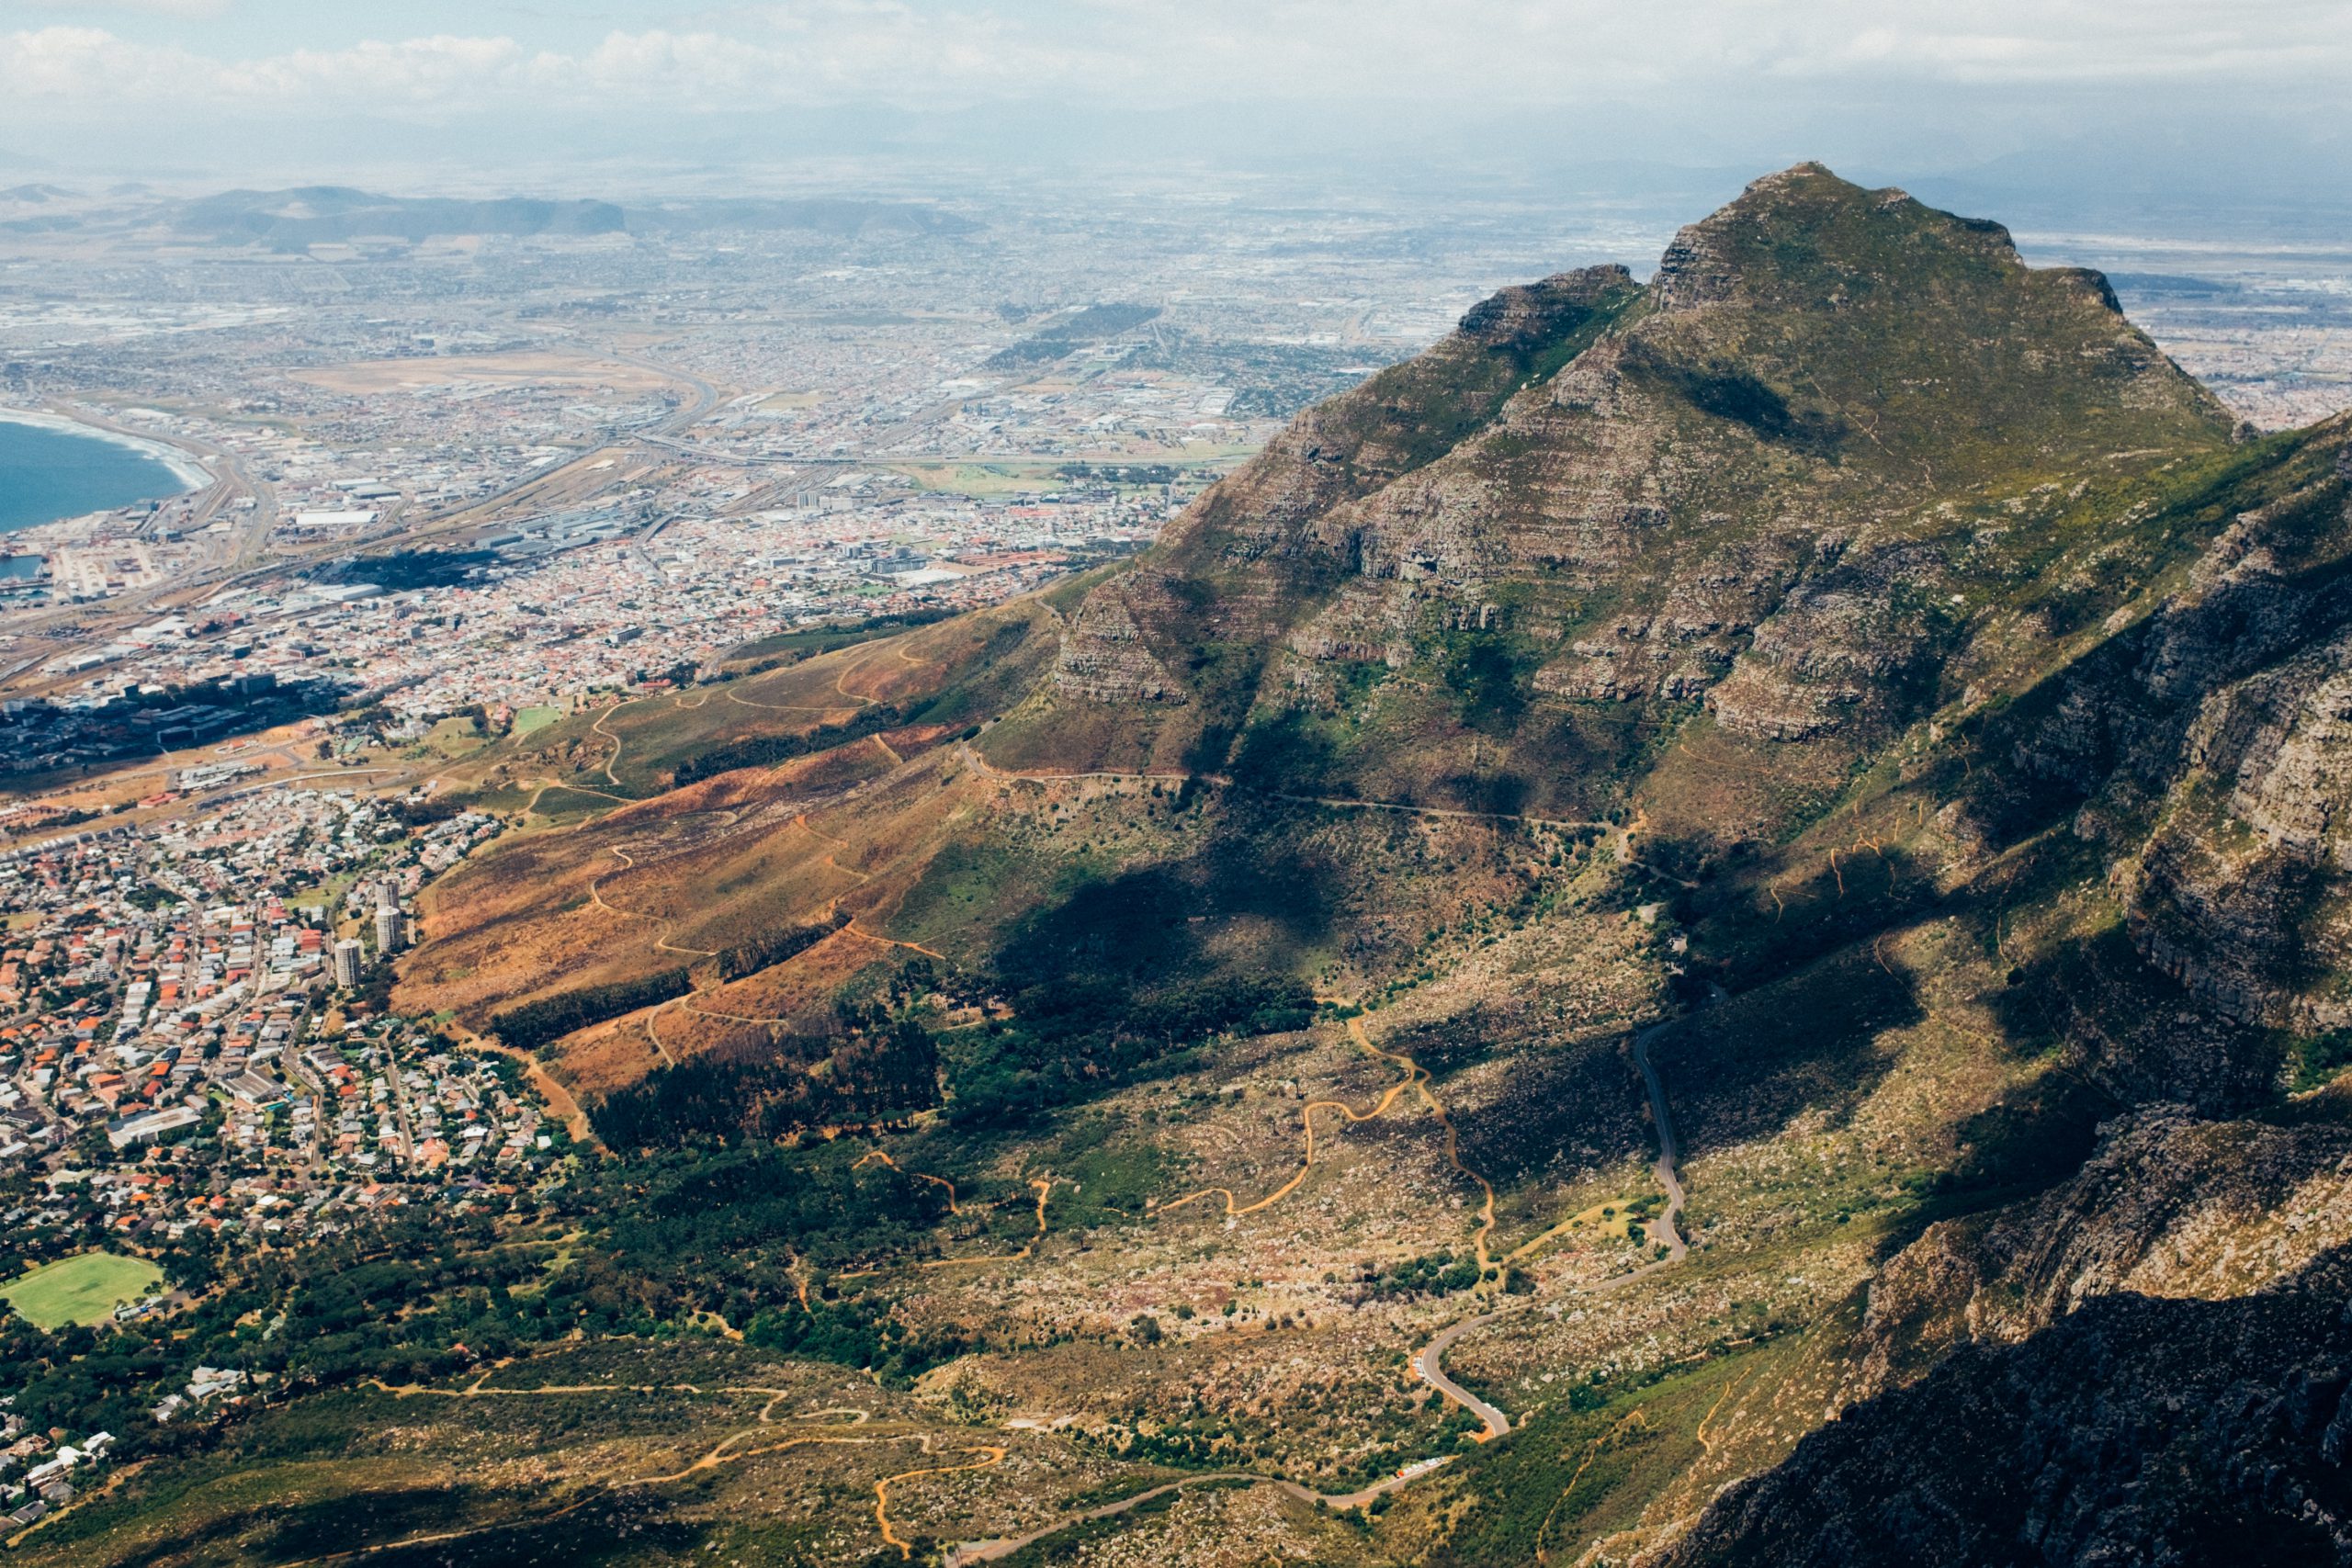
x: 196, y: 1038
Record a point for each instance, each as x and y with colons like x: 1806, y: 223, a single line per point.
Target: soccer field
x: 83, y: 1289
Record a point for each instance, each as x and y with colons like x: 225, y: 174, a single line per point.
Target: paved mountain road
x: 1428, y: 1366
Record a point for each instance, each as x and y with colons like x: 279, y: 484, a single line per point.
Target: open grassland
x: 995, y: 479
x: 83, y: 1289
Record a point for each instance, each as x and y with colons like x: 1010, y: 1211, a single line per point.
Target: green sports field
x: 83, y: 1289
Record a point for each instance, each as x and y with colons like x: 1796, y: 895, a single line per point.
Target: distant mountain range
x: 291, y: 220
x: 298, y: 217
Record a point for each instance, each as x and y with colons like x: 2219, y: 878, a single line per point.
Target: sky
x: 2243, y: 99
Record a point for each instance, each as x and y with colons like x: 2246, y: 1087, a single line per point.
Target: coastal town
x: 463, y: 495
x: 578, y: 608
x: 196, y: 1038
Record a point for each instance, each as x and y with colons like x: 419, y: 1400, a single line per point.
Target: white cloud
x: 80, y: 64
x: 195, y: 9
x: 421, y: 73
x: 1152, y: 53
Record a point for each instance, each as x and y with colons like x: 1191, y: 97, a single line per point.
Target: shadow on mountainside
x: 2133, y: 1430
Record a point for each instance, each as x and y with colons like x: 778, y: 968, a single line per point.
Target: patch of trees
x: 868, y: 1076
x: 424, y: 812
x: 767, y: 751
x: 751, y: 957
x: 393, y: 1300
x: 533, y: 1024
x: 1483, y: 669
x: 1438, y: 1274
x: 395, y: 571
x: 1091, y: 325
x: 1071, y: 1038
x: 700, y: 1227
x: 861, y: 1334
x: 1118, y: 474
x: 791, y: 647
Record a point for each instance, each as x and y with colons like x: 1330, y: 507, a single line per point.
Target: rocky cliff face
x: 2208, y: 745
x: 1848, y: 487
x: 2170, y: 1206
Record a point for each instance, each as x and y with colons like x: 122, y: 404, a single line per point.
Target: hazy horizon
x: 2158, y: 116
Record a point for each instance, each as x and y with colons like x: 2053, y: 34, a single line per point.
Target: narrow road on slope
x: 1427, y: 1362
x: 558, y: 1098
x: 1429, y: 1368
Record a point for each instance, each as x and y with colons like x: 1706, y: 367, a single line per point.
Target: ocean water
x: 46, y: 474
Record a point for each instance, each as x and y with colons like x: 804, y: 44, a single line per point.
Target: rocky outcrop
x: 1841, y: 649
x: 2168, y: 1206
x: 1736, y: 458
x: 2243, y: 892
x: 1103, y: 656
x: 2136, y: 1430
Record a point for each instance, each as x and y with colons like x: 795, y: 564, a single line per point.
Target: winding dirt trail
x: 989, y: 1550
x: 850, y: 668
x: 874, y: 1155
x: 543, y: 1083
x: 1044, y: 1186
x: 726, y: 1450
x: 853, y: 926
x: 1307, y: 1121
x: 990, y: 1454
x: 546, y: 784
x: 597, y: 727
x: 1632, y: 1420
x: 1416, y: 1080
x: 1427, y: 1362
x: 828, y: 710
x: 853, y: 929
x: 662, y: 942
x: 654, y: 1034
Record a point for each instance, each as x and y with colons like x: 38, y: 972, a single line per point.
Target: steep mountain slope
x: 1854, y: 675
x: 1753, y: 484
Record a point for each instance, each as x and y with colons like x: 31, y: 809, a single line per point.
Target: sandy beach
x: 184, y: 465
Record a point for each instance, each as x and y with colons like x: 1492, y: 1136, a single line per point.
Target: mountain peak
x: 1805, y: 238
x: 1587, y: 465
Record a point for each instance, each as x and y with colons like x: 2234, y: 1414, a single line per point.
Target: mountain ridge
x: 1857, y: 658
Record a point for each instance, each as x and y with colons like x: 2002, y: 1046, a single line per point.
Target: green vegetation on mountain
x: 1850, y: 703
